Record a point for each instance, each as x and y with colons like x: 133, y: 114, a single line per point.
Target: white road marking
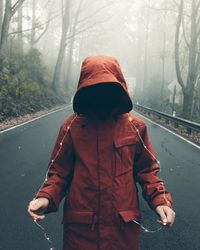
x: 172, y: 132
x: 37, y: 118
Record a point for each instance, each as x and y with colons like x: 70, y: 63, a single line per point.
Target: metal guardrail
x: 176, y: 121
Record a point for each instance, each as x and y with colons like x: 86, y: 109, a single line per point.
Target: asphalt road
x: 24, y: 154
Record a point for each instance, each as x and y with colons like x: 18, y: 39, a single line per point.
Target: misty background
x: 43, y: 43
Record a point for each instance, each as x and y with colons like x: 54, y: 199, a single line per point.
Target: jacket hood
x: 101, y: 84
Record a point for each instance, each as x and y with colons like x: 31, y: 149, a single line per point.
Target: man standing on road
x: 101, y: 152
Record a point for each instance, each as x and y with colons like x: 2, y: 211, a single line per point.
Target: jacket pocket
x: 124, y: 150
x: 73, y: 216
x: 130, y: 215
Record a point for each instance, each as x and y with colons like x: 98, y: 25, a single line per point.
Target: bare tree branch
x: 184, y: 35
x: 177, y: 59
x: 87, y: 28
x: 169, y: 10
x: 16, y: 6
x: 42, y: 34
x: 198, y: 21
x: 36, y: 26
x: 94, y: 13
x: 198, y: 5
x: 183, y: 62
x: 197, y: 64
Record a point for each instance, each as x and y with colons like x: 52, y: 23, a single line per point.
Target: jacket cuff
x: 52, y: 205
x: 162, y: 200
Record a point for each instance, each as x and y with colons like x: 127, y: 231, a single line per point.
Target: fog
x: 140, y: 34
x: 132, y: 31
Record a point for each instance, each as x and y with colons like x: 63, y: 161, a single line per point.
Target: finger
x: 38, y: 218
x: 35, y: 215
x: 163, y: 216
x: 170, y: 217
x: 37, y: 208
x: 34, y: 206
x: 162, y: 224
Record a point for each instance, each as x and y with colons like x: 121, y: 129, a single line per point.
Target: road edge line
x: 36, y: 118
x: 172, y: 132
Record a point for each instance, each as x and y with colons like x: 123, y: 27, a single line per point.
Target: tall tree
x: 1, y: 16
x: 72, y: 40
x: 20, y: 28
x: 65, y: 28
x: 9, y: 12
x: 33, y: 22
x: 146, y: 44
x: 192, y: 42
x: 163, y: 56
x: 36, y: 36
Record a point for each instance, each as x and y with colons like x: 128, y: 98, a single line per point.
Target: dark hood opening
x: 103, y: 99
x: 102, y: 88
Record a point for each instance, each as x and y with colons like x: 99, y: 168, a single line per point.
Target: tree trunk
x: 5, y: 25
x: 71, y: 44
x: 33, y: 22
x: 187, y: 104
x: 146, y: 47
x: 20, y: 28
x: 1, y: 16
x: 163, y: 57
x: 8, y: 14
x: 192, y: 74
x: 177, y: 45
x: 69, y: 60
x: 139, y: 56
x: 65, y: 26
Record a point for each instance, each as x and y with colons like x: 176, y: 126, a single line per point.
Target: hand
x: 37, y: 207
x: 167, y: 215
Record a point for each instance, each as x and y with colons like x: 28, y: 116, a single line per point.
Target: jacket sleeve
x: 60, y: 171
x: 146, y: 168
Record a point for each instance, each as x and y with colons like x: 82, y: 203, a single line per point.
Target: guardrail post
x: 189, y: 130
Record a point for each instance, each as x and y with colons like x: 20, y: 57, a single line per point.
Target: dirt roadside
x: 8, y: 123
x: 180, y: 130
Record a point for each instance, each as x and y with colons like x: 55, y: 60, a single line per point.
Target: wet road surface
x: 24, y: 154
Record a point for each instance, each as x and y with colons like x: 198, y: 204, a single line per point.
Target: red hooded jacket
x: 97, y: 161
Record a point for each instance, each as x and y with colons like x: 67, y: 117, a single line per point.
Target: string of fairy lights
x: 162, y: 182
x: 46, y: 235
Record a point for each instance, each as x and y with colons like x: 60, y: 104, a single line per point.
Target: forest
x: 43, y: 43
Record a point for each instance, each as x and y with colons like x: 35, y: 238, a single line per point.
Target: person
x: 101, y: 152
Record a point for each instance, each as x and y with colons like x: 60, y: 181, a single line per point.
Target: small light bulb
x: 61, y: 144
x: 68, y: 127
